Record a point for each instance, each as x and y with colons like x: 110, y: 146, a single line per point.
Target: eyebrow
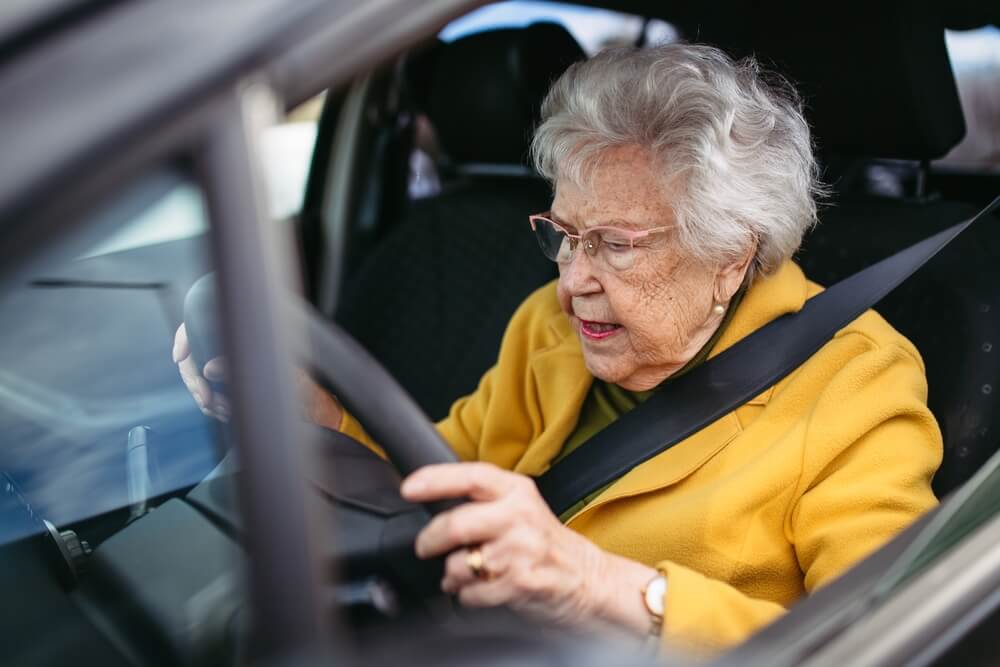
x: 614, y: 222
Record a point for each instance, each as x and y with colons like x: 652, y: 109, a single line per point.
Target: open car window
x: 594, y: 28
x: 975, y: 59
x: 286, y: 152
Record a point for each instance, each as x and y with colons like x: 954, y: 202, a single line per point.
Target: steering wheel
x: 340, y: 365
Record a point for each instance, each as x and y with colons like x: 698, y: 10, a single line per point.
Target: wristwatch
x: 653, y: 594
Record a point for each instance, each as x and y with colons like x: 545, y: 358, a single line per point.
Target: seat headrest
x: 891, y: 96
x: 875, y: 76
x: 487, y: 88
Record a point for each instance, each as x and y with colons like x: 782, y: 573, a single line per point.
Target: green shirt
x: 606, y: 402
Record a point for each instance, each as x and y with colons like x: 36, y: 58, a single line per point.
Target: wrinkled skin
x: 664, y: 303
x: 535, y: 564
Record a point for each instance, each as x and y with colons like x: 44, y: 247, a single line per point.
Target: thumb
x: 182, y: 350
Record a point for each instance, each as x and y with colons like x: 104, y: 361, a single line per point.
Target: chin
x: 602, y: 370
x: 620, y: 374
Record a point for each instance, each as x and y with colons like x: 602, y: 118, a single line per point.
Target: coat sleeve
x: 869, y: 452
x: 460, y: 429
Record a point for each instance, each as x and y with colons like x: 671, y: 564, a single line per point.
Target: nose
x: 577, y: 276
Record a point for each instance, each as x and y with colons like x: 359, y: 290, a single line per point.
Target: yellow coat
x: 759, y: 508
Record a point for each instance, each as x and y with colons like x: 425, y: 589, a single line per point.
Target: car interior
x: 432, y: 305
x: 427, y: 280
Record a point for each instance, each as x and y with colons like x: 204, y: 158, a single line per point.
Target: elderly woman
x: 683, y: 185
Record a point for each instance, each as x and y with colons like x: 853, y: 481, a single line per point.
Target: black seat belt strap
x: 736, y: 375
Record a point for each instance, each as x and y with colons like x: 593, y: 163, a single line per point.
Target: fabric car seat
x: 951, y: 308
x: 432, y: 300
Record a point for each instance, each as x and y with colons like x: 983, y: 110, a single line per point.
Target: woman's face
x: 640, y: 325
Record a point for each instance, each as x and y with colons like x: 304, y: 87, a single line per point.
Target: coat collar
x: 561, y: 365
x: 785, y: 291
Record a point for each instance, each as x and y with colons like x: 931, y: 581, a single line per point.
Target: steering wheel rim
x: 340, y: 365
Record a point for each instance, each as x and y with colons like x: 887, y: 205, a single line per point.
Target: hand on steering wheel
x: 505, y: 547
x: 318, y: 406
x: 212, y: 403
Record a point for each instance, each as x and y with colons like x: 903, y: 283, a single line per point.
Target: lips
x: 598, y: 330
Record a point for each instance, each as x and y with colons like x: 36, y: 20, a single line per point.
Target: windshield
x: 86, y: 356
x: 100, y: 442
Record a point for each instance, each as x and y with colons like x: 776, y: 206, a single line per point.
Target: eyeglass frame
x: 631, y: 235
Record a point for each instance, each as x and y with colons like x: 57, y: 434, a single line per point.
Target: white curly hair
x: 733, y: 138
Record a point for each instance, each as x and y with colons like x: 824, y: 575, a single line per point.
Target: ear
x: 731, y: 276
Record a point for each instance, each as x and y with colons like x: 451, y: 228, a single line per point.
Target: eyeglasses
x: 613, y: 248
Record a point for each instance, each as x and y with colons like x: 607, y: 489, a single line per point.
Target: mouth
x: 598, y: 330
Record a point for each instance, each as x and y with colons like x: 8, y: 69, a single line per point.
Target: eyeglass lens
x: 612, y: 250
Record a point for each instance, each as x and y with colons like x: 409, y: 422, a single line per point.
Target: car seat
x: 950, y: 309
x: 432, y: 300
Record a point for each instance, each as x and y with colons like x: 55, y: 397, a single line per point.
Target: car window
x: 975, y: 60
x: 287, y: 149
x: 100, y: 441
x: 85, y: 359
x: 594, y: 29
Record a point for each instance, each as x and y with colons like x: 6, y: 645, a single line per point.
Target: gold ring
x: 477, y: 564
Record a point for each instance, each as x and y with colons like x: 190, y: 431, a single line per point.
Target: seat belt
x: 720, y: 385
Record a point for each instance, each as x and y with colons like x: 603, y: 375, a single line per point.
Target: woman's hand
x: 196, y: 380
x: 531, y: 561
x: 318, y: 406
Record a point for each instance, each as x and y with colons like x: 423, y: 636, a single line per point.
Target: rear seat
x: 432, y: 300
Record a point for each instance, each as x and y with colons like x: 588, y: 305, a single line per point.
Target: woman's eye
x: 617, y: 245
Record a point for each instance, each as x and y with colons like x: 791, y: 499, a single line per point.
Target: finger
x: 458, y: 574
x: 486, y: 593
x: 181, y: 347
x: 220, y: 406
x: 215, y: 369
x: 219, y: 409
x: 478, y: 481
x: 188, y: 369
x: 202, y: 394
x: 456, y: 571
x: 471, y: 523
x: 195, y: 383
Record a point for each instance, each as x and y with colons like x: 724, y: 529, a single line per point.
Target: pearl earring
x: 719, y: 309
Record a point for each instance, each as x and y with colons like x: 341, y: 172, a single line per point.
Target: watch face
x: 656, y: 590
